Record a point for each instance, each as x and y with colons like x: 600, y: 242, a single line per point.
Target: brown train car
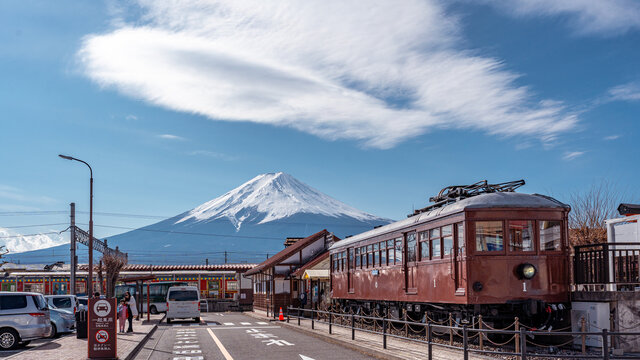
x: 499, y: 255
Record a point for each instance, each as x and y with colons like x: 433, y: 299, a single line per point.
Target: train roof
x: 483, y: 201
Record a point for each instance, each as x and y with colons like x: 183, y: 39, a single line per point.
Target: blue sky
x: 378, y: 104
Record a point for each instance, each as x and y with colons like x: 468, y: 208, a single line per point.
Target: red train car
x: 481, y: 249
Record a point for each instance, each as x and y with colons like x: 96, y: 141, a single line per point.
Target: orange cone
x: 281, y: 315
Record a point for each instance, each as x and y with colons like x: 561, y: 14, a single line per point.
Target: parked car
x: 62, y: 321
x: 183, y: 302
x: 83, y: 303
x: 24, y: 316
x: 67, y: 302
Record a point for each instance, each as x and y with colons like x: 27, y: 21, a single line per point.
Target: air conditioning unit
x: 596, y: 316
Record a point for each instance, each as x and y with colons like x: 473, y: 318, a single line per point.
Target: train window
x: 489, y: 236
x: 399, y: 251
x: 335, y: 262
x: 550, y: 235
x: 434, y: 235
x: 370, y: 255
x: 383, y: 254
x: 447, y: 239
x: 350, y: 259
x: 460, y: 238
x: 424, y: 245
x: 344, y: 260
x: 376, y: 255
x: 357, y: 258
x: 411, y: 247
x: 521, y: 235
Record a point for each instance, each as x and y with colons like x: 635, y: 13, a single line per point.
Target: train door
x: 411, y: 262
x: 350, y: 269
x: 460, y: 271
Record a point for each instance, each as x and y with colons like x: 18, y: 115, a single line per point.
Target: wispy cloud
x: 612, y: 137
x: 585, y: 17
x: 625, y: 92
x: 16, y: 194
x: 131, y: 117
x: 213, y: 154
x: 171, y: 137
x: 336, y: 69
x: 571, y: 155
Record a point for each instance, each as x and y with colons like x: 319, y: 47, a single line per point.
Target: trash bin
x: 81, y: 324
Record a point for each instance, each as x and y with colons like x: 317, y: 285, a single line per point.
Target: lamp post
x: 90, y: 280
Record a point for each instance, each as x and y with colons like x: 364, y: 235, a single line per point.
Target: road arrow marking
x: 305, y: 357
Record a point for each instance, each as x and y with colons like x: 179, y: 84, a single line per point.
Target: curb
x: 334, y: 340
x: 142, y: 342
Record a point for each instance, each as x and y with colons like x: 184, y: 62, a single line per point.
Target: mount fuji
x: 248, y: 223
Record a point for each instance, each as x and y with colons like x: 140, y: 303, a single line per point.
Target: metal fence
x: 433, y: 330
x: 607, y: 263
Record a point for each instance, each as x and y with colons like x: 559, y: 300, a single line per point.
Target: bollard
x: 429, y: 342
x: 583, y: 329
x: 330, y: 318
x: 450, y: 330
x: 384, y: 333
x: 353, y: 329
x: 313, y: 312
x: 605, y: 345
x: 517, y: 337
x: 465, y: 342
x: 299, y: 316
x: 523, y: 345
x: 480, y: 334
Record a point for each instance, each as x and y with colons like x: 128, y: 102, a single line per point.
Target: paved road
x: 32, y: 344
x: 234, y: 336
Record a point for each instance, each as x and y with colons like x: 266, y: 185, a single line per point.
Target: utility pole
x: 206, y: 261
x: 72, y: 246
x: 225, y: 257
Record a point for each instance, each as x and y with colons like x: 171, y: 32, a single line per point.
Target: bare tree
x: 113, y: 264
x: 589, y: 210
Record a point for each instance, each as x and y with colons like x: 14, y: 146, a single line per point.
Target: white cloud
x: 625, y: 92
x: 612, y: 137
x: 170, y: 137
x: 371, y: 71
x: 15, y: 194
x: 570, y: 155
x: 585, y: 17
x: 213, y: 154
x: 17, y: 243
x: 131, y: 117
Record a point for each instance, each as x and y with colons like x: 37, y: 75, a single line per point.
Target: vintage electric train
x: 480, y: 249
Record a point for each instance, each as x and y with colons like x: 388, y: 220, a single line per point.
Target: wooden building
x: 275, y: 285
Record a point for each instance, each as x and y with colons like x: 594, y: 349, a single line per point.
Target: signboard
x: 102, y: 342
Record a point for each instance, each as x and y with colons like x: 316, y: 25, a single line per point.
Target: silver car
x: 24, y: 316
x: 67, y: 302
x: 62, y: 321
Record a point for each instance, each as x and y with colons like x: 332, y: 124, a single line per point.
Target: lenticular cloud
x: 378, y: 72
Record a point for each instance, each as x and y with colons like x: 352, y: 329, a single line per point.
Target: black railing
x: 466, y: 332
x: 608, y: 263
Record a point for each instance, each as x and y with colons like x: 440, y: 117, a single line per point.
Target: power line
x: 27, y: 226
x: 27, y: 235
x: 189, y: 233
x: 21, y: 213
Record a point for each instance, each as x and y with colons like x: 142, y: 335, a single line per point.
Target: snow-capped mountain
x: 16, y: 243
x: 269, y: 197
x: 247, y: 222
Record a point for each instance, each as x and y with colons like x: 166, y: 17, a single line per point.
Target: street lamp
x: 90, y: 221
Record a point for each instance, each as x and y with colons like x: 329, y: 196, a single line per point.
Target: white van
x: 183, y: 302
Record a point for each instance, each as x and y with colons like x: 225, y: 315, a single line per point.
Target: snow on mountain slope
x: 16, y: 243
x: 269, y: 197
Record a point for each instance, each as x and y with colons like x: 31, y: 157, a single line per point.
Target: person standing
x: 133, y: 310
x: 122, y: 315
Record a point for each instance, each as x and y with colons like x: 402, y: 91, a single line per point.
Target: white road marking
x: 229, y: 324
x: 185, y: 352
x: 305, y: 357
x: 188, y: 358
x: 245, y: 323
x: 244, y: 327
x: 277, y: 342
x: 186, y: 347
x: 262, y: 323
x: 223, y: 350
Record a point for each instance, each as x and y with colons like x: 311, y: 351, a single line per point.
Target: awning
x: 316, y: 274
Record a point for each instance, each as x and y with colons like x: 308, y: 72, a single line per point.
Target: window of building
x: 447, y: 239
x: 460, y: 238
x: 550, y: 235
x: 521, y: 235
x: 489, y: 236
x: 434, y: 236
x: 411, y: 247
x: 399, y: 251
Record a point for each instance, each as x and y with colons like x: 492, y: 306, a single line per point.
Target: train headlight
x: 527, y: 271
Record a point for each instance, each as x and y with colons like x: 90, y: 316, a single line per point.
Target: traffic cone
x: 281, y: 315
